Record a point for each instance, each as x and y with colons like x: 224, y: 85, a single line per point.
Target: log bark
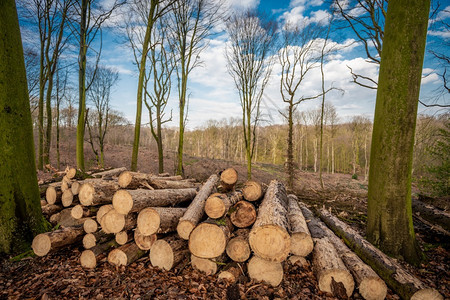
x: 431, y: 214
x: 209, y: 266
x: 263, y: 270
x: 97, y: 192
x: 168, y: 252
x: 209, y: 239
x: 64, y: 218
x: 126, y: 201
x: 217, y: 205
x: 195, y: 210
x: 133, y: 180
x: 51, y: 209
x: 45, y: 242
x: 238, y: 248
x: 125, y: 255
x: 144, y: 242
x: 122, y: 237
x: 301, y: 241
x: 159, y: 219
x: 80, y: 211
x: 228, y: 179
x: 90, y: 257
x: 53, y: 194
x: 252, y: 190
x: 243, y: 214
x: 329, y: 267
x: 231, y: 272
x: 269, y: 238
x: 90, y: 225
x: 396, y: 277
x: 99, y: 237
x: 109, y: 173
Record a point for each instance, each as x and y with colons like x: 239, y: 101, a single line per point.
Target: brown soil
x: 60, y: 276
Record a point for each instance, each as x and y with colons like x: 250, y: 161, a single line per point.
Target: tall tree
x: 252, y: 39
x: 190, y: 25
x: 389, y: 198
x: 20, y: 209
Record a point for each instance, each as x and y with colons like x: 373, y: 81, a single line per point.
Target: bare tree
x: 99, y: 94
x: 252, y: 40
x: 190, y: 25
x: 61, y: 92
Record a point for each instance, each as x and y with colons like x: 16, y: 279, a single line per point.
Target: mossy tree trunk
x: 20, y: 209
x: 389, y: 204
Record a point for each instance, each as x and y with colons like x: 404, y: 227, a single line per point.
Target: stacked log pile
x: 253, y: 230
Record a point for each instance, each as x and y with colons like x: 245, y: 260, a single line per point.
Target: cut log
x: 51, y: 209
x: 64, y: 218
x: 329, y: 267
x: 70, y: 173
x: 228, y: 178
x: 144, y: 242
x: 65, y: 184
x: 301, y: 241
x: 300, y: 260
x: 217, y: 205
x: 109, y: 173
x: 209, y: 239
x: 45, y: 242
x: 263, y: 270
x: 195, y: 210
x: 89, y: 258
x: 133, y: 180
x: 243, y: 214
x: 168, y: 252
x: 67, y: 198
x: 122, y: 237
x: 43, y: 203
x: 396, y: 277
x: 252, y: 190
x: 431, y: 214
x: 90, y: 225
x: 125, y: 255
x: 79, y: 211
x: 159, y: 219
x: 53, y: 194
x: 75, y: 187
x: 114, y: 222
x: 126, y: 201
x: 231, y: 272
x: 92, y: 239
x: 238, y: 248
x: 269, y: 238
x: 209, y: 266
x: 102, y: 212
x: 97, y: 192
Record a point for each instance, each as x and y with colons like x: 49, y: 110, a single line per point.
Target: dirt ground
x: 59, y: 275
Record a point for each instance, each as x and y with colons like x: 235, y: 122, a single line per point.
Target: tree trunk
x: 238, y: 248
x: 45, y: 242
x: 64, y: 218
x: 159, y: 219
x: 89, y: 258
x: 133, y: 180
x: 252, y: 190
x: 196, y: 210
x: 399, y: 279
x: 228, y: 179
x: 125, y: 201
x: 209, y: 239
x: 168, y: 252
x: 431, y: 214
x: 243, y: 214
x: 217, y: 205
x: 263, y: 270
x: 97, y: 192
x: 389, y: 196
x: 269, y: 238
x: 125, y: 255
x: 301, y: 241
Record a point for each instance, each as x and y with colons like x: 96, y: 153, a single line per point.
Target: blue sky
x: 212, y: 91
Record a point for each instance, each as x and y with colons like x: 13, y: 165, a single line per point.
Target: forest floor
x: 60, y: 276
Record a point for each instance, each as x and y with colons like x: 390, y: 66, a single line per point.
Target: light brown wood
x: 97, y: 192
x: 90, y: 225
x: 65, y: 184
x: 134, y: 180
x: 301, y: 241
x: 238, y: 248
x: 45, y: 242
x: 92, y: 239
x: 159, y: 219
x: 70, y: 173
x: 80, y: 211
x: 195, y: 211
x: 114, y: 222
x: 231, y: 272
x: 75, y: 187
x: 252, y: 190
x: 209, y: 239
x: 168, y: 252
x: 53, y: 194
x: 269, y: 238
x: 243, y: 214
x: 89, y: 258
x: 122, y: 237
x: 125, y: 255
x: 67, y: 198
x: 144, y: 242
x: 396, y: 277
x: 328, y: 266
x: 209, y: 266
x: 64, y: 218
x: 102, y: 212
x: 51, y: 209
x: 126, y: 201
x: 263, y: 270
x: 228, y: 178
x: 217, y: 205
x: 300, y: 260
